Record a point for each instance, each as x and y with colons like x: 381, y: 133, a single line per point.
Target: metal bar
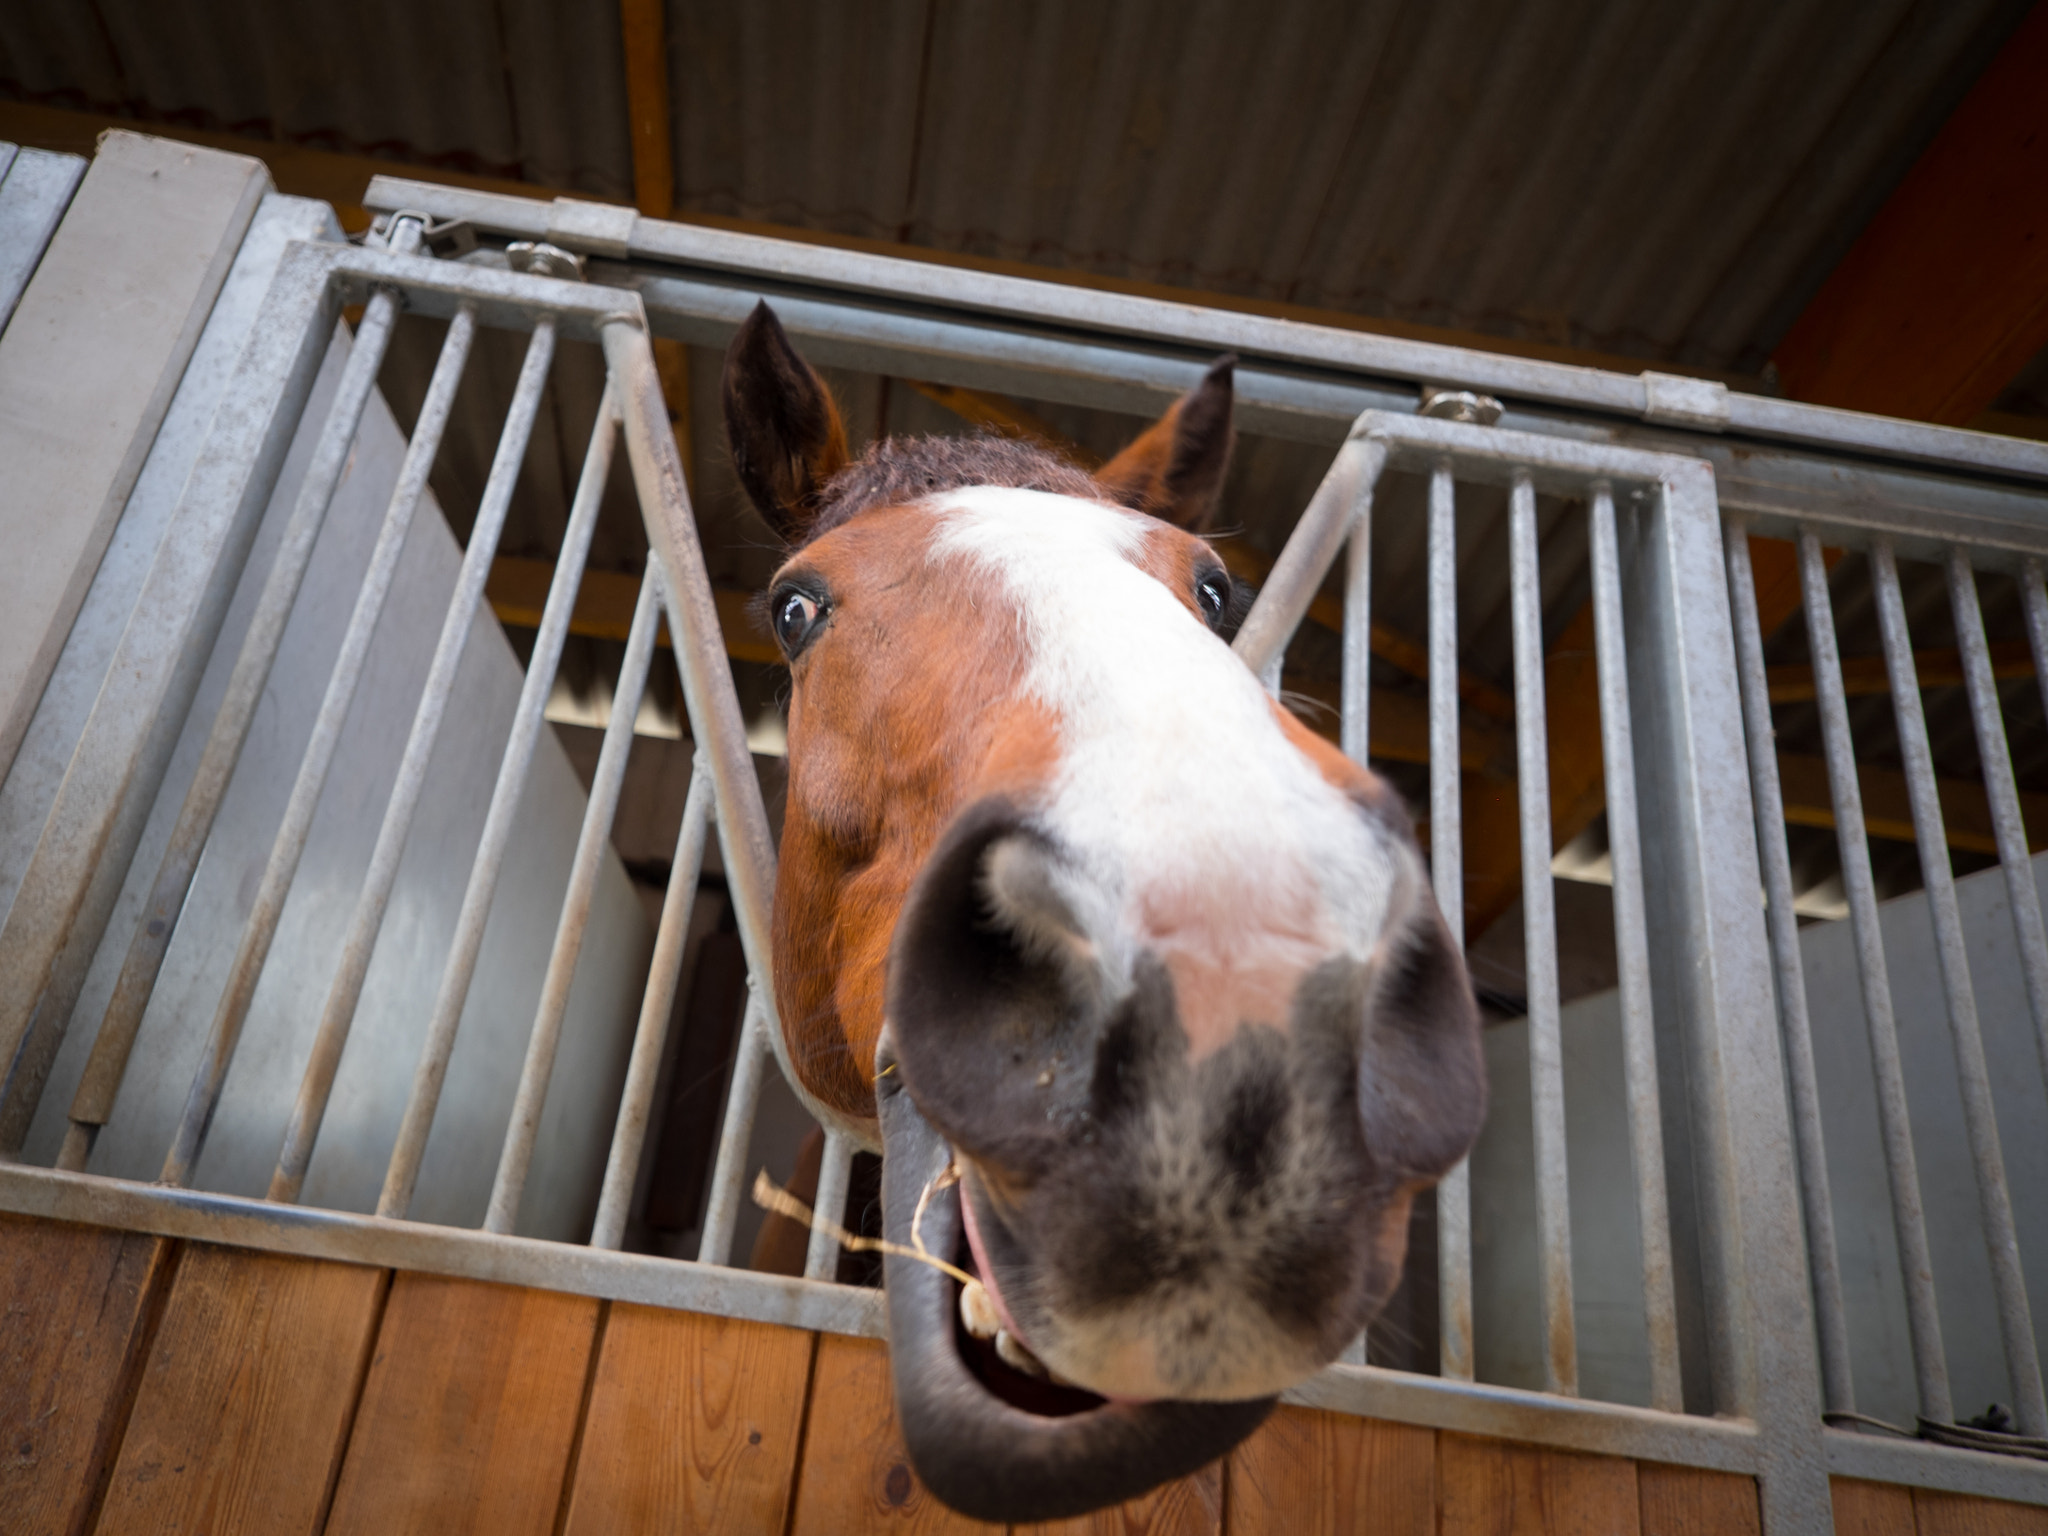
x: 93, y: 1103
x: 337, y: 1015
x: 2007, y: 823
x: 1632, y: 955
x: 224, y: 748
x: 1795, y: 1031
x: 736, y: 1132
x: 1539, y: 928
x: 67, y: 893
x: 1916, y: 1264
x: 657, y: 1007
x: 1357, y: 678
x: 929, y: 290
x: 714, y: 710
x: 1980, y: 1116
x: 1338, y: 505
x: 598, y: 811
x: 835, y: 1174
x: 1447, y: 872
x: 402, y: 1176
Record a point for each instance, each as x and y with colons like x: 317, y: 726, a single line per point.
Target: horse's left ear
x: 1174, y: 469
x: 785, y: 432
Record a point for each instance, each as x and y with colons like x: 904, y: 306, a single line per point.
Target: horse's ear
x: 1174, y: 469
x: 781, y: 423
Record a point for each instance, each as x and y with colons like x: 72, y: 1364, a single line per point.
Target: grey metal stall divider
x: 1668, y: 497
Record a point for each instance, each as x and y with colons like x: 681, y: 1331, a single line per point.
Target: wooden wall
x: 148, y: 1385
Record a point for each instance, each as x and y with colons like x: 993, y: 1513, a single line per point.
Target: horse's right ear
x: 784, y: 430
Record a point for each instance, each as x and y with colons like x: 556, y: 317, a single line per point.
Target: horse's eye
x: 1212, y: 595
x: 795, y: 615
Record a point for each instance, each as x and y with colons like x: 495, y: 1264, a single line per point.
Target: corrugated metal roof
x: 1670, y: 182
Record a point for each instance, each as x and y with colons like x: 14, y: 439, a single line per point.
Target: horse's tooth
x: 977, y: 1312
x: 1016, y: 1356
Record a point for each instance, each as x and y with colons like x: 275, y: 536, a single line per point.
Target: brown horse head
x: 1071, y: 905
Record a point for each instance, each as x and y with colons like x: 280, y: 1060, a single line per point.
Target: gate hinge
x: 1449, y: 404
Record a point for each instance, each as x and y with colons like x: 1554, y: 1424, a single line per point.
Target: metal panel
x: 35, y: 189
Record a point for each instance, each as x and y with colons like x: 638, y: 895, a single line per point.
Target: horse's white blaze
x: 1193, y: 827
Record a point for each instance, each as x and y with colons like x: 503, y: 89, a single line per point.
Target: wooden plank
x: 245, y: 1402
x: 856, y: 1475
x: 1871, y: 1509
x: 1865, y: 675
x: 1944, y: 296
x: 1691, y: 1501
x: 1190, y: 1506
x: 518, y: 590
x: 1888, y: 807
x: 693, y: 1425
x: 644, y: 40
x: 470, y: 1410
x: 1954, y: 1514
x: 1498, y: 1488
x: 75, y: 1308
x: 1311, y: 1471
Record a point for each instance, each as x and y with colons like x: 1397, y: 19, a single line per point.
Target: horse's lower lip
x: 977, y: 1453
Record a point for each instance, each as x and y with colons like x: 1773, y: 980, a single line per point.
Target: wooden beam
x: 644, y: 33
x: 341, y: 179
x: 1864, y: 675
x: 1888, y: 809
x: 518, y: 590
x: 1944, y: 296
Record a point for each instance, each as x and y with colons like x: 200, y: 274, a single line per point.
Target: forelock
x: 895, y: 470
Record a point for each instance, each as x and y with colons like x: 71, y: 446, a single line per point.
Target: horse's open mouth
x: 993, y: 1441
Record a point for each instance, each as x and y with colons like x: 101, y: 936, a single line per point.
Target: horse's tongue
x: 976, y: 1452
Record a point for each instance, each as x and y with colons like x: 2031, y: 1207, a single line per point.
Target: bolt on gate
x: 1742, y: 1325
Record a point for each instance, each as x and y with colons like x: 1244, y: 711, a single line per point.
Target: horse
x: 1141, y: 978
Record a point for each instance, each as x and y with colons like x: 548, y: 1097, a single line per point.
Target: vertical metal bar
x: 231, y: 729
x: 736, y: 1132
x: 1539, y: 928
x: 835, y: 1170
x: 2008, y: 825
x: 337, y: 1015
x: 1816, y: 1203
x: 1447, y: 872
x: 657, y: 1007
x: 1329, y: 517
x: 1980, y: 1117
x: 714, y: 710
x: 1357, y: 683
x: 1632, y: 954
x: 402, y: 1176
x: 1916, y: 1264
x: 93, y: 1102
x: 545, y: 1040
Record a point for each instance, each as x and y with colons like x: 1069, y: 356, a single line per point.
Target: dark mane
x: 900, y: 469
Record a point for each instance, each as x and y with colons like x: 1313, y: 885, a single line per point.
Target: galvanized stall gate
x: 1742, y: 1321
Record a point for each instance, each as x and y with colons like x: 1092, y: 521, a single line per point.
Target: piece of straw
x: 771, y: 1196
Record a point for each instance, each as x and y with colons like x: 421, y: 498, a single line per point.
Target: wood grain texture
x: 1190, y: 1506
x: 1305, y: 1470
x: 74, y: 1309
x: 1871, y: 1509
x: 1691, y: 1501
x: 246, y: 1399
x: 469, y: 1411
x: 693, y: 1425
x: 1497, y: 1488
x: 1951, y: 1514
x: 856, y: 1475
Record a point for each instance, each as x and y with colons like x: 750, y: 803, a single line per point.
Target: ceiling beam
x: 644, y: 32
x: 1944, y: 296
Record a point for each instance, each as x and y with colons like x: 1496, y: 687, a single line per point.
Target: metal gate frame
x: 1666, y: 634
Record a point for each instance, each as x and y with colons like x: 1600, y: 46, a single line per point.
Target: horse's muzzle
x: 978, y: 1454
